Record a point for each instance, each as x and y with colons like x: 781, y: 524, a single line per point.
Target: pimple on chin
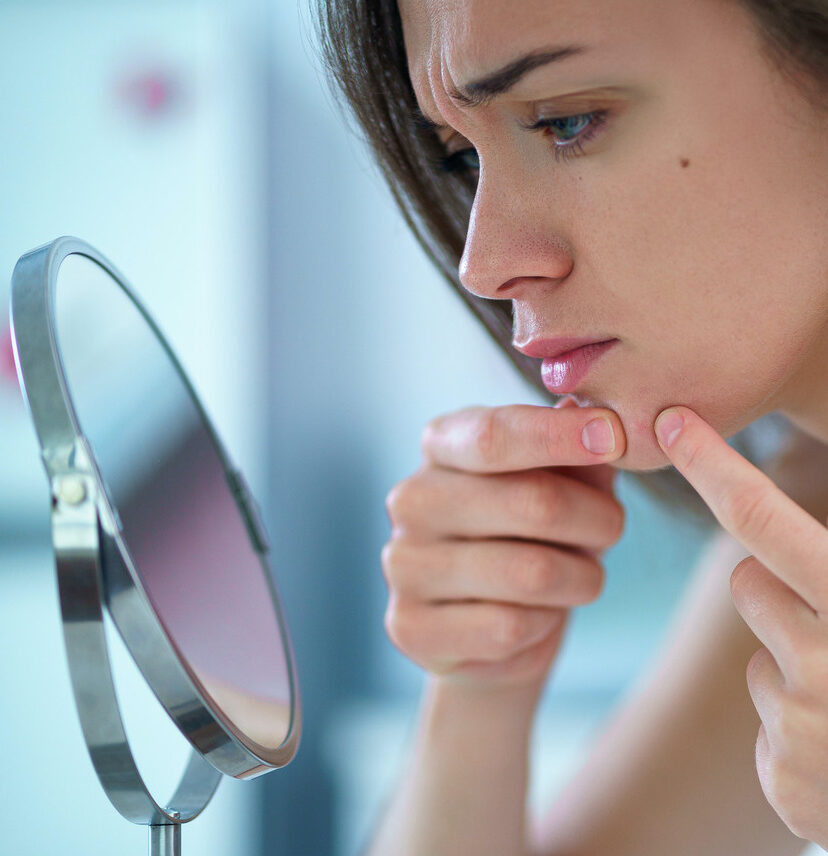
x: 685, y: 162
x: 643, y: 430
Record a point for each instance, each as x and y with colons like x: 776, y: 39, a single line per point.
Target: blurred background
x: 195, y: 145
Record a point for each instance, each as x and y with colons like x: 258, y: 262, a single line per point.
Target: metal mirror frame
x: 95, y: 569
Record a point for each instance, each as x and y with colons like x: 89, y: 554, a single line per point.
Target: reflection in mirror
x: 178, y: 516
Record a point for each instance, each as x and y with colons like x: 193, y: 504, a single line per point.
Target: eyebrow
x: 485, y: 89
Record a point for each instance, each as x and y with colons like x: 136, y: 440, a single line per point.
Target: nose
x: 511, y: 236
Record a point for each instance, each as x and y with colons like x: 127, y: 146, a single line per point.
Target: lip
x: 551, y: 348
x: 563, y: 373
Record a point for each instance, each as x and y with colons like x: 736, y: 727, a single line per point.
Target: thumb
x: 601, y: 476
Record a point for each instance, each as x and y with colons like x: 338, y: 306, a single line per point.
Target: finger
x: 784, y: 537
x: 508, y: 571
x: 517, y: 437
x: 539, y: 505
x: 766, y: 686
x: 601, y: 475
x: 781, y: 620
x: 517, y: 668
x: 764, y: 761
x: 446, y: 634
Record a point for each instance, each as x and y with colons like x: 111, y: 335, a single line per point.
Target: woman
x: 651, y: 174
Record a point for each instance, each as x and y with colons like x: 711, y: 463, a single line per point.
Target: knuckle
x: 402, y: 500
x: 800, y: 827
x: 754, y: 665
x: 552, y: 437
x: 396, y: 624
x: 594, y: 579
x: 691, y: 453
x: 507, y: 630
x: 390, y: 620
x: 620, y: 522
x: 390, y: 561
x: 784, y: 791
x: 386, y: 560
x: 539, y: 502
x: 749, y: 510
x: 787, y: 728
x: 428, y: 437
x: 486, y: 438
x: 532, y: 575
x: 774, y: 781
x: 391, y: 500
x: 399, y: 565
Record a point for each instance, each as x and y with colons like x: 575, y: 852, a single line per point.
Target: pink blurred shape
x: 151, y: 93
x: 8, y: 371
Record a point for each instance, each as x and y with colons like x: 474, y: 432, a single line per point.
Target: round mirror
x: 177, y: 512
x: 149, y: 512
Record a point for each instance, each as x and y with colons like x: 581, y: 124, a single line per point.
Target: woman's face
x: 682, y: 210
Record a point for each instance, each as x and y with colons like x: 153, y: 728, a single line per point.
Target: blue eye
x: 569, y: 134
x: 568, y: 126
x: 575, y: 130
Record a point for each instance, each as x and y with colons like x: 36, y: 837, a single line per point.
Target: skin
x: 781, y: 592
x: 691, y: 225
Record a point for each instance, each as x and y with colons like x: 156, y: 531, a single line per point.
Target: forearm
x: 465, y: 788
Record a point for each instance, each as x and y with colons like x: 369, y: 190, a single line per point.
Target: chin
x: 638, y: 460
x: 727, y: 414
x: 643, y: 451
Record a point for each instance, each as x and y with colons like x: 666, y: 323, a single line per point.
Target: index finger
x: 781, y: 535
x: 517, y: 437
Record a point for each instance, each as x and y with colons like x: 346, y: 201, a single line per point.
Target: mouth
x: 551, y: 348
x: 564, y: 372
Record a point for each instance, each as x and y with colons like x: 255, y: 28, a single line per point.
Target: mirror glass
x: 178, y: 516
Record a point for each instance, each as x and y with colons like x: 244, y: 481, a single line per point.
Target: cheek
x: 697, y: 280
x: 707, y: 276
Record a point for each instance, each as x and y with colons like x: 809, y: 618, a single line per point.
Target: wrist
x: 473, y: 709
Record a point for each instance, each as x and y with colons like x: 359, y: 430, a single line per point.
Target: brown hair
x: 363, y: 50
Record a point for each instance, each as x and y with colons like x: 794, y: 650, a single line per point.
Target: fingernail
x: 668, y: 426
x: 598, y: 436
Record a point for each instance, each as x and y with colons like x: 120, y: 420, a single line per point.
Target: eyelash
x: 572, y: 148
x: 455, y: 162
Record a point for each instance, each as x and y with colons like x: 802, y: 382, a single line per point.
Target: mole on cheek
x: 684, y: 162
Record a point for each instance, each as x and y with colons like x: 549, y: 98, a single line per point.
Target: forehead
x: 464, y: 23
x: 473, y: 36
x: 454, y: 41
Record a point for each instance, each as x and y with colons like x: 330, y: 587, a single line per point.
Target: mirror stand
x: 78, y: 532
x: 165, y: 840
x: 154, y: 528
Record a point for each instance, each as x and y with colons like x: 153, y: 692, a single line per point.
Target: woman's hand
x: 782, y: 593
x: 495, y: 537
